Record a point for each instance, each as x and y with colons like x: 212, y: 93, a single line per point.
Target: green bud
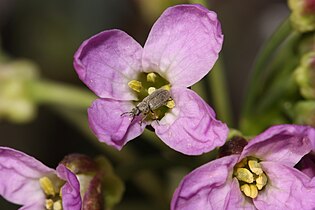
x: 15, y: 101
x: 306, y: 43
x: 304, y: 113
x: 303, y: 15
x: 305, y: 75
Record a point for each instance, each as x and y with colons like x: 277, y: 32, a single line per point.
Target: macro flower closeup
x: 262, y: 176
x: 139, y: 86
x: 26, y: 181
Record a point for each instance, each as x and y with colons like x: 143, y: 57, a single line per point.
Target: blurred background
x: 49, y: 32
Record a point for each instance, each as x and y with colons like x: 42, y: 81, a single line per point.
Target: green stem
x: 262, y: 60
x: 219, y: 92
x: 68, y: 101
x: 47, y: 92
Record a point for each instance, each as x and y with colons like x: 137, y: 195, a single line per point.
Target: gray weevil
x: 150, y: 103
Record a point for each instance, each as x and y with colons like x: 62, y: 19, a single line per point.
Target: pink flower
x: 27, y: 182
x: 262, y: 176
x: 182, y: 47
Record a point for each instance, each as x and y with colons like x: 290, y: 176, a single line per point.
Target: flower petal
x: 287, y: 188
x: 34, y: 206
x: 286, y: 144
x: 107, y: 62
x: 19, y: 176
x: 183, y: 44
x: 190, y: 127
x: 209, y: 187
x: 109, y: 126
x: 71, y: 198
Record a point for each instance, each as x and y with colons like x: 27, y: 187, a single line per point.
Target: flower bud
x: 303, y: 14
x: 305, y: 75
x: 233, y: 146
x: 15, y: 102
x: 304, y: 113
x: 100, y: 188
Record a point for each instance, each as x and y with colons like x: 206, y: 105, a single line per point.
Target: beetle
x: 150, y: 103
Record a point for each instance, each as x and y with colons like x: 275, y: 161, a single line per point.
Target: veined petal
x: 107, y: 62
x: 19, y: 178
x: 206, y: 187
x: 109, y: 126
x: 183, y: 44
x: 285, y: 144
x: 71, y: 198
x: 190, y: 127
x: 287, y: 188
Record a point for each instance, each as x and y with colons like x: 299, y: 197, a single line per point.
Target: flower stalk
x: 47, y: 92
x: 219, y: 91
x: 262, y: 61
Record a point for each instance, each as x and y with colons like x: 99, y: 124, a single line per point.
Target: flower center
x: 250, y: 176
x: 51, y: 186
x: 153, y: 95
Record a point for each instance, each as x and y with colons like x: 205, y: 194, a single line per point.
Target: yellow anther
x: 151, y: 77
x: 166, y: 87
x: 57, y: 205
x: 249, y: 190
x: 255, y: 167
x: 151, y: 90
x: 261, y: 181
x: 47, y: 186
x: 60, y: 192
x: 135, y: 85
x: 244, y: 175
x: 241, y: 164
x: 170, y: 104
x: 49, y: 204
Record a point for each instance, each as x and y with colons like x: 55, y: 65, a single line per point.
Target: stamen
x: 244, y: 175
x: 249, y: 170
x: 166, y: 87
x: 261, y: 181
x: 47, y: 186
x: 170, y: 104
x: 49, y: 204
x: 57, y: 205
x: 135, y: 85
x: 151, y: 77
x: 241, y: 164
x: 151, y: 90
x: 255, y: 167
x: 250, y: 190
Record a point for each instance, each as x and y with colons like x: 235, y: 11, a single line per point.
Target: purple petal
x: 190, y: 127
x: 19, y: 176
x: 285, y: 144
x: 183, y: 44
x: 236, y: 199
x: 107, y: 62
x: 210, y: 187
x: 34, y: 206
x: 71, y: 197
x: 109, y: 126
x: 287, y: 188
